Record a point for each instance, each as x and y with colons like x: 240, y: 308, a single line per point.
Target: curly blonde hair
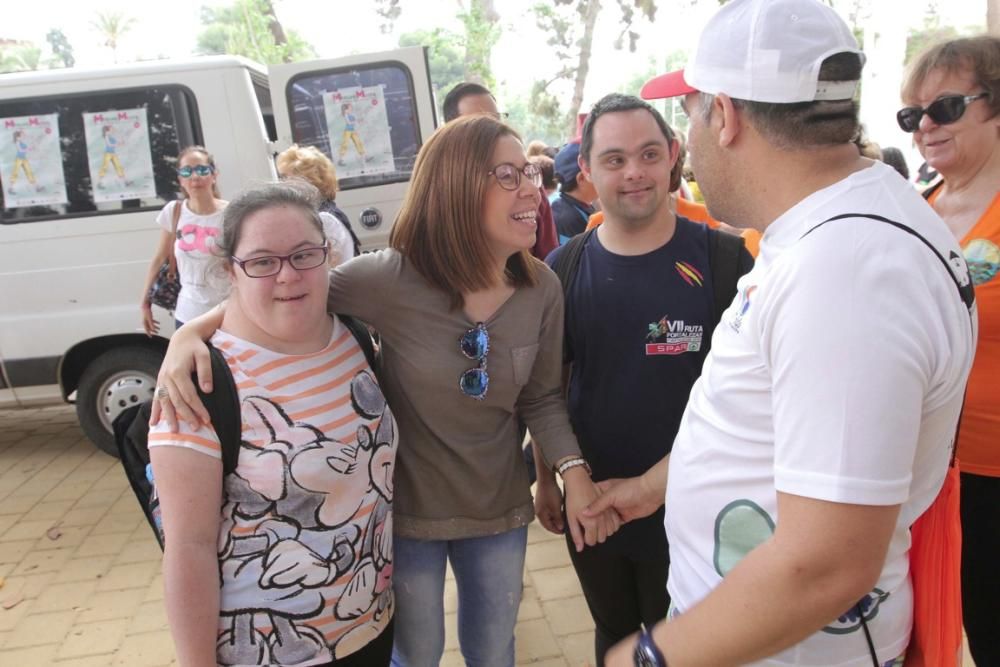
x: 309, y: 164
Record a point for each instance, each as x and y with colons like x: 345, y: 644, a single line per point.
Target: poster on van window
x: 359, y: 131
x: 121, y: 162
x: 31, y: 167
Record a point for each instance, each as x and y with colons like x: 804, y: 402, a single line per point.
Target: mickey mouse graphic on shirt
x: 305, y: 511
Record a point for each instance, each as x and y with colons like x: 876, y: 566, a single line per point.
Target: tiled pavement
x: 81, y: 571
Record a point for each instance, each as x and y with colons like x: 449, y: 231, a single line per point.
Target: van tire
x: 114, y: 381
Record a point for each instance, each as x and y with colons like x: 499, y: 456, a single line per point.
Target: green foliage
x: 568, y: 25
x: 246, y: 28
x: 19, y: 58
x: 445, y: 53
x: 534, y: 119
x: 62, y: 50
x: 482, y: 31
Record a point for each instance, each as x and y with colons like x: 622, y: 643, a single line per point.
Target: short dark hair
x: 548, y: 167
x: 799, y: 125
x: 456, y: 94
x: 893, y: 157
x: 295, y: 194
x: 616, y: 103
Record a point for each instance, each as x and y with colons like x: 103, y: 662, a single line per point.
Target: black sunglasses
x: 943, y: 111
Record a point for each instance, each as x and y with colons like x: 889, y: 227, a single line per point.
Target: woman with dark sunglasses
x: 953, y: 93
x: 471, y: 332
x: 189, y: 226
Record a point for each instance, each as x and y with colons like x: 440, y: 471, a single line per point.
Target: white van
x: 77, y: 234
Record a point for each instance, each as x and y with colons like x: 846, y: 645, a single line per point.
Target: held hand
x: 149, y: 323
x: 185, y: 354
x: 548, y: 505
x: 586, y: 529
x: 631, y: 498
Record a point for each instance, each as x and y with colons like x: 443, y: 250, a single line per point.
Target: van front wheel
x: 112, y: 382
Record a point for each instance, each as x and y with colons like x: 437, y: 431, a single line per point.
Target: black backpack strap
x: 364, y: 338
x: 724, y: 250
x: 567, y: 261
x: 223, y: 405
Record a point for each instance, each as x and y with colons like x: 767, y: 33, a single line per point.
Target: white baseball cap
x: 765, y: 51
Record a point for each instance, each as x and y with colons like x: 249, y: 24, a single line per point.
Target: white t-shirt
x: 341, y: 243
x: 837, y: 374
x: 201, y: 286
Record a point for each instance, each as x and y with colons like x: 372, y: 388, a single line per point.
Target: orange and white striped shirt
x: 305, y: 536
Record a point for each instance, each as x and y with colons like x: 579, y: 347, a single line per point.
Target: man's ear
x: 725, y: 110
x: 584, y: 168
x: 675, y: 152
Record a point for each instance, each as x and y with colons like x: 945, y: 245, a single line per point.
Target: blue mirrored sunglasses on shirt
x: 475, y: 345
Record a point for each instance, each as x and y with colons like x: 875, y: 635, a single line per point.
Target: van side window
x: 364, y: 118
x: 171, y: 115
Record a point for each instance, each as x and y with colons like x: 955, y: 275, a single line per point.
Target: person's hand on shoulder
x: 176, y: 395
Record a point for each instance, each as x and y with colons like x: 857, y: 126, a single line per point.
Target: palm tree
x: 111, y: 26
x: 20, y: 58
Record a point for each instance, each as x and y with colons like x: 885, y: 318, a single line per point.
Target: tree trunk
x: 583, y: 68
x: 993, y: 17
x: 480, y: 36
x: 274, y: 25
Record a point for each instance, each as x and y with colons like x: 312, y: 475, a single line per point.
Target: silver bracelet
x: 572, y: 463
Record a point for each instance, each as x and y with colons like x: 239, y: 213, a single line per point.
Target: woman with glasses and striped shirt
x: 471, y: 341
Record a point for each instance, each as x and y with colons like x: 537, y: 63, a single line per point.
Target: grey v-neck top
x: 459, y: 470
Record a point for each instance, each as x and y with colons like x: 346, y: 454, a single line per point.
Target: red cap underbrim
x: 671, y: 84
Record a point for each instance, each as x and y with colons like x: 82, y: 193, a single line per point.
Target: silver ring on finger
x: 161, y: 393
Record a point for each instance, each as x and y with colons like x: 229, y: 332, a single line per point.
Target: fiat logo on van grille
x: 371, y: 218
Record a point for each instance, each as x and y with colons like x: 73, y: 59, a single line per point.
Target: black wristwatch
x: 646, y: 654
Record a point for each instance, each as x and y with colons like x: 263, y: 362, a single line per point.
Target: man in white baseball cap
x: 823, y: 422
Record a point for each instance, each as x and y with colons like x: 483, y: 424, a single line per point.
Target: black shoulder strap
x: 568, y: 260
x: 364, y: 338
x: 724, y: 263
x: 223, y: 405
x: 965, y: 292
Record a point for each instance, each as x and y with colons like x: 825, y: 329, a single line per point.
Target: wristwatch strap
x: 646, y: 653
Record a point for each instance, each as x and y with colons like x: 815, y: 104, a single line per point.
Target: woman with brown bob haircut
x: 472, y: 333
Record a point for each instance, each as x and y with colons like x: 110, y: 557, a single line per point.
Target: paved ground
x: 81, y: 571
